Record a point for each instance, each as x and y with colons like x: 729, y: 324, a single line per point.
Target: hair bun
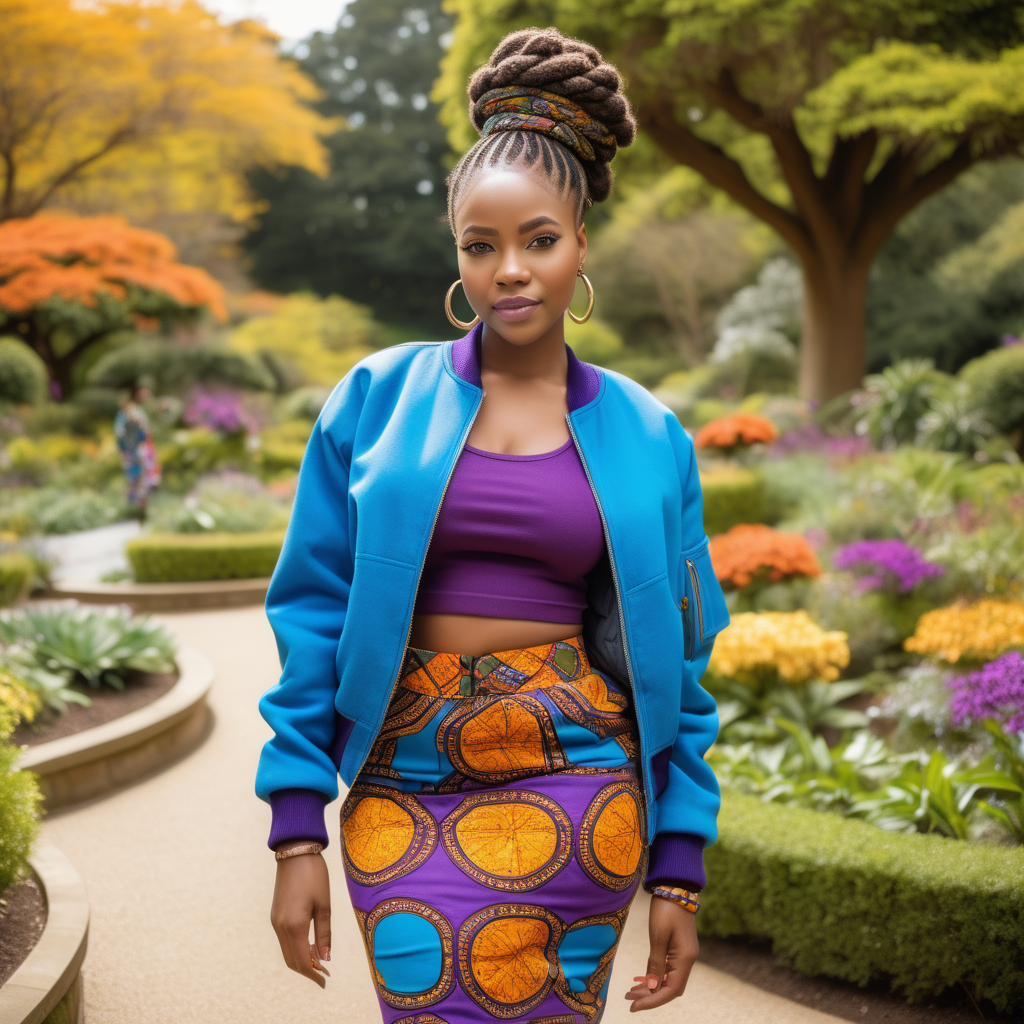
x: 543, y: 58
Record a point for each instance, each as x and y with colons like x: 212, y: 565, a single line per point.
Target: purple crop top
x: 515, y: 537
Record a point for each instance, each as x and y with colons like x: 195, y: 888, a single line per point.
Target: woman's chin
x: 523, y: 332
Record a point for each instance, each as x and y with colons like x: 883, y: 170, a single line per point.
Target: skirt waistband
x: 438, y: 674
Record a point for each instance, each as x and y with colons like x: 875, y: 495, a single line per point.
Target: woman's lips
x: 514, y: 310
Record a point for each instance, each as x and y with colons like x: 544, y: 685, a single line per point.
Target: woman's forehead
x: 510, y: 196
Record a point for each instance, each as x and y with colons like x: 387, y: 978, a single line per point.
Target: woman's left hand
x: 674, y: 948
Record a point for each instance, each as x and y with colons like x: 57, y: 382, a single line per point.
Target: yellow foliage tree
x: 322, y: 338
x: 152, y: 101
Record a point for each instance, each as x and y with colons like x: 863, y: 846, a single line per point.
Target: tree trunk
x: 832, y: 346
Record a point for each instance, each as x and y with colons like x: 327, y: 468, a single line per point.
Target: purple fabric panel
x: 582, y: 380
x: 659, y: 769
x: 297, y: 814
x: 515, y: 538
x: 677, y: 858
x: 342, y: 731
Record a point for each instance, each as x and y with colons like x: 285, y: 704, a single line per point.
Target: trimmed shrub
x: 732, y: 496
x: 19, y: 808
x: 177, y: 558
x: 22, y: 373
x: 16, y: 574
x: 849, y: 900
x: 996, y: 386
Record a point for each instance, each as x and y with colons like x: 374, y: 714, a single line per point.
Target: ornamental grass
x: 751, y: 551
x: 756, y: 644
x: 740, y: 428
x: 973, y: 632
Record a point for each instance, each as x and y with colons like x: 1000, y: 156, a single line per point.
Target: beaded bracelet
x: 297, y: 851
x: 686, y: 899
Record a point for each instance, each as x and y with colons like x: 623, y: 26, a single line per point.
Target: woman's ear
x: 581, y: 241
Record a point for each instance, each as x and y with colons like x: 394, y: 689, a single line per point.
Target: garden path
x: 180, y: 880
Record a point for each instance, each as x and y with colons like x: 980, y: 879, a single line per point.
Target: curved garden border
x: 51, y: 973
x: 843, y: 898
x: 97, y: 760
x: 168, y: 597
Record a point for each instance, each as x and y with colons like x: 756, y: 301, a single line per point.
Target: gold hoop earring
x: 462, y: 326
x: 590, y: 301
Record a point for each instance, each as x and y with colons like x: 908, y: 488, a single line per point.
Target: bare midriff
x: 477, y: 634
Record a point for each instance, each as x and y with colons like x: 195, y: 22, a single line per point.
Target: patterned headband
x: 513, y: 108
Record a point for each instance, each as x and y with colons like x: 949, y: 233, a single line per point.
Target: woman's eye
x: 477, y: 248
x: 543, y: 242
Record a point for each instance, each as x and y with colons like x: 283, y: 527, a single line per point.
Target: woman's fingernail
x: 652, y: 983
x: 327, y: 953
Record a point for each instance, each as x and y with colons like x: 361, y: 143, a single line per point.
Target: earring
x: 452, y: 317
x: 590, y: 300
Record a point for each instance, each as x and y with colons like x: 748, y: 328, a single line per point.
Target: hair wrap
x: 522, y: 108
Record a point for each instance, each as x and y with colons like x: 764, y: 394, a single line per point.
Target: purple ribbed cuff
x: 677, y: 858
x: 298, y: 814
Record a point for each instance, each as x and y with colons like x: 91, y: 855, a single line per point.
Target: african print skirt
x: 494, y: 840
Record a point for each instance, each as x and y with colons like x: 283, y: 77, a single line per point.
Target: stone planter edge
x: 53, y: 969
x: 165, y: 597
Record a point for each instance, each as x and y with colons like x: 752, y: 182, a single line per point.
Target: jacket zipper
x: 696, y: 593
x: 419, y: 577
x: 641, y: 718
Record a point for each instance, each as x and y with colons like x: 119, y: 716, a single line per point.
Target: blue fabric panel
x: 586, y: 749
x: 407, y: 952
x: 417, y: 758
x: 581, y: 951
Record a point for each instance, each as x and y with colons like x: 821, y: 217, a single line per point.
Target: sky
x: 292, y: 19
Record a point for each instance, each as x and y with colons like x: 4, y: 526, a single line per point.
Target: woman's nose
x: 512, y: 270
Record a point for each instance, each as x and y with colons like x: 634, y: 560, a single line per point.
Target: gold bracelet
x: 296, y: 851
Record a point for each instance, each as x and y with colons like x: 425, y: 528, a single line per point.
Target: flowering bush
x: 739, y: 428
x: 995, y: 691
x: 977, y: 632
x: 751, y: 550
x: 792, y: 644
x: 886, y: 564
x: 221, y: 410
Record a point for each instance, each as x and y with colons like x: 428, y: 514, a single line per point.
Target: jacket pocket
x: 702, y: 604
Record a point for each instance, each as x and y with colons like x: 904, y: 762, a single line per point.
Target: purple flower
x: 994, y: 691
x: 218, y: 410
x: 886, y: 563
x: 811, y: 438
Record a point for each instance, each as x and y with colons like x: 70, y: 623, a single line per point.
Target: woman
x: 493, y: 607
x: 138, y: 454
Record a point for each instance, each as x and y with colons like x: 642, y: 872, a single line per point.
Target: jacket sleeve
x: 684, y: 781
x: 306, y: 604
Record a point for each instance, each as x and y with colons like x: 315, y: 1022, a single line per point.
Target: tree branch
x: 904, y: 190
x: 721, y: 170
x: 844, y: 180
x: 794, y: 160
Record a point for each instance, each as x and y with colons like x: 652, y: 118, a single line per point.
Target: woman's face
x: 519, y: 251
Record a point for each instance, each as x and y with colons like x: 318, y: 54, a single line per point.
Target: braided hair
x: 534, y: 60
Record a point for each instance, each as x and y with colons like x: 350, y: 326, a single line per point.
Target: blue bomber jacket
x: 342, y: 596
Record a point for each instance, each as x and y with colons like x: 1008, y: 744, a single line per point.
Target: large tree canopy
x: 830, y: 120
x: 373, y: 230
x: 154, y: 103
x: 68, y: 283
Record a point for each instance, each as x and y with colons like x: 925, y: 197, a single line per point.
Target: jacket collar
x: 582, y: 382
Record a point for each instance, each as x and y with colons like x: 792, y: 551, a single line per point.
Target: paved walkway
x: 180, y: 881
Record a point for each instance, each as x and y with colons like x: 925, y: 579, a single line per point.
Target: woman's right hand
x: 302, y: 893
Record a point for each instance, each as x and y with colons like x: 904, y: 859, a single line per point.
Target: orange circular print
x: 513, y: 840
x: 611, y: 836
x: 507, y: 958
x: 385, y: 833
x: 505, y: 739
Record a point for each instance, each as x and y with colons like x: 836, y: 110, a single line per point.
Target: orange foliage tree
x: 741, y: 428
x: 66, y: 283
x: 751, y: 551
x: 144, y: 104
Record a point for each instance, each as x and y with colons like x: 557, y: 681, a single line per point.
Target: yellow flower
x: 17, y: 702
x: 790, y: 643
x: 977, y: 632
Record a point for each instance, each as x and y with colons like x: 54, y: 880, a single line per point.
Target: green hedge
x: 19, y: 809
x: 846, y: 899
x: 181, y: 557
x: 732, y: 495
x: 16, y: 575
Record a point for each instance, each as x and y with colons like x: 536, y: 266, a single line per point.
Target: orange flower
x: 749, y: 550
x: 739, y: 428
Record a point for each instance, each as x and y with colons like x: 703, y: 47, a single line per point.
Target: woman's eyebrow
x: 536, y: 223
x: 475, y: 229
